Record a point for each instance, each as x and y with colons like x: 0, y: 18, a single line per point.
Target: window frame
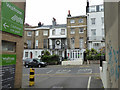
x: 28, y: 33
x: 36, y: 33
x: 80, y: 29
x: 44, y: 33
x: 81, y: 21
x: 93, y: 21
x: 72, y: 31
x: 72, y: 21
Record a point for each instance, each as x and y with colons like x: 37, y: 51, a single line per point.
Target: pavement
x: 57, y: 76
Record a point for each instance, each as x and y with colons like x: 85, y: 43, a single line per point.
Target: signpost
x: 12, y: 19
x: 7, y: 66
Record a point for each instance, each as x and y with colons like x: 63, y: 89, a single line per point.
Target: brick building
x: 76, y: 36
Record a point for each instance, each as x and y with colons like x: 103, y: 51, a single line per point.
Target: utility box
x: 11, y: 43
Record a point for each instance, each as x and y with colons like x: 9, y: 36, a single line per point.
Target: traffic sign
x: 12, y: 18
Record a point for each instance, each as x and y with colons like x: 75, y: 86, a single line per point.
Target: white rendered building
x: 95, y: 27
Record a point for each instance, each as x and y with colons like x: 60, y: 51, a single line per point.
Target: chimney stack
x: 54, y: 21
x: 69, y: 15
x: 39, y: 24
x: 87, y: 7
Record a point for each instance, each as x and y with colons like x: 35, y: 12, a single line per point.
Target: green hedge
x: 51, y: 59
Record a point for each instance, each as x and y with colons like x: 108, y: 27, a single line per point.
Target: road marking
x: 49, y: 71
x: 89, y: 80
x: 64, y: 74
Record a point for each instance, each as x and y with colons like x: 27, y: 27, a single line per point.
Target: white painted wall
x: 35, y: 52
x: 57, y: 33
x: 98, y: 26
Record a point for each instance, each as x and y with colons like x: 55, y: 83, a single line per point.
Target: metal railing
x: 57, y: 46
x: 96, y: 38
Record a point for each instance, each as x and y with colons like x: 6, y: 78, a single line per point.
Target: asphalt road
x: 58, y: 76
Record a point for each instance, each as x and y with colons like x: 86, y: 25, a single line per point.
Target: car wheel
x: 27, y: 66
x: 39, y: 66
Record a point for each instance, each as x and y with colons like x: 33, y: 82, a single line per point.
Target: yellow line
x: 64, y: 74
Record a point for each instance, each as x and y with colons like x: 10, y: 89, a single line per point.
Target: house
x: 95, y: 27
x: 76, y: 36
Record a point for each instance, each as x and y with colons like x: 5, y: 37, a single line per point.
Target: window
x: 81, y: 42
x: 29, y: 33
x: 35, y: 53
x: 93, y: 32
x: 81, y: 21
x: 8, y: 46
x: 29, y: 43
x: 53, y: 32
x: 45, y: 33
x: 62, y: 31
x: 72, y: 31
x: 45, y: 43
x: 102, y: 19
x: 72, y: 21
x: 81, y: 30
x: 26, y: 54
x: 101, y: 8
x: 92, y: 21
x: 36, y: 44
x: 92, y: 9
x: 37, y: 33
x: 103, y: 32
x: 72, y: 42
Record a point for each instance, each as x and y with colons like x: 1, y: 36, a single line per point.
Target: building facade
x: 35, y: 41
x: 76, y: 36
x: 58, y: 39
x: 95, y: 27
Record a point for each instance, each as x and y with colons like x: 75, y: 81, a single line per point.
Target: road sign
x: 12, y: 18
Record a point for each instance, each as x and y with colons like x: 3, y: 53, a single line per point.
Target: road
x: 58, y: 76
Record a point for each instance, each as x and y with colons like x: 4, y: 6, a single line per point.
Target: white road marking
x: 49, y: 71
x: 89, y: 80
x: 63, y: 71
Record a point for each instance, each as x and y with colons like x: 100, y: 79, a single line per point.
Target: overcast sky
x: 44, y: 10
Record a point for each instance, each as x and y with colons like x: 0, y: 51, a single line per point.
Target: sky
x: 44, y: 10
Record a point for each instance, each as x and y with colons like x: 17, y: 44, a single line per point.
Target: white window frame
x: 102, y: 20
x: 26, y: 55
x: 101, y: 8
x: 92, y: 8
x: 93, y: 32
x: 30, y: 43
x: 72, y: 31
x: 81, y: 42
x: 36, y: 33
x: 72, y: 21
x: 45, y: 33
x: 36, y: 43
x: 28, y: 33
x: 62, y: 31
x: 80, y: 29
x: 81, y: 20
x: 93, y: 21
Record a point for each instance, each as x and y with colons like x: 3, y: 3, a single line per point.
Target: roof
x: 77, y: 16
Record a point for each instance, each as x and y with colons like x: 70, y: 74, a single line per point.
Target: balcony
x: 57, y: 46
x: 96, y: 38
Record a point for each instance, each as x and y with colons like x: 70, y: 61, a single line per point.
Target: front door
x: 31, y: 55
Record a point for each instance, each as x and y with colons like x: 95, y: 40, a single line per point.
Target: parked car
x: 34, y: 63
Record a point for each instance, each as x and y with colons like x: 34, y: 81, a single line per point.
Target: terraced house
x: 76, y: 36
x: 35, y: 41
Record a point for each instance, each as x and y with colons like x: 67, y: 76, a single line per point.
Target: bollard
x: 31, y: 78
